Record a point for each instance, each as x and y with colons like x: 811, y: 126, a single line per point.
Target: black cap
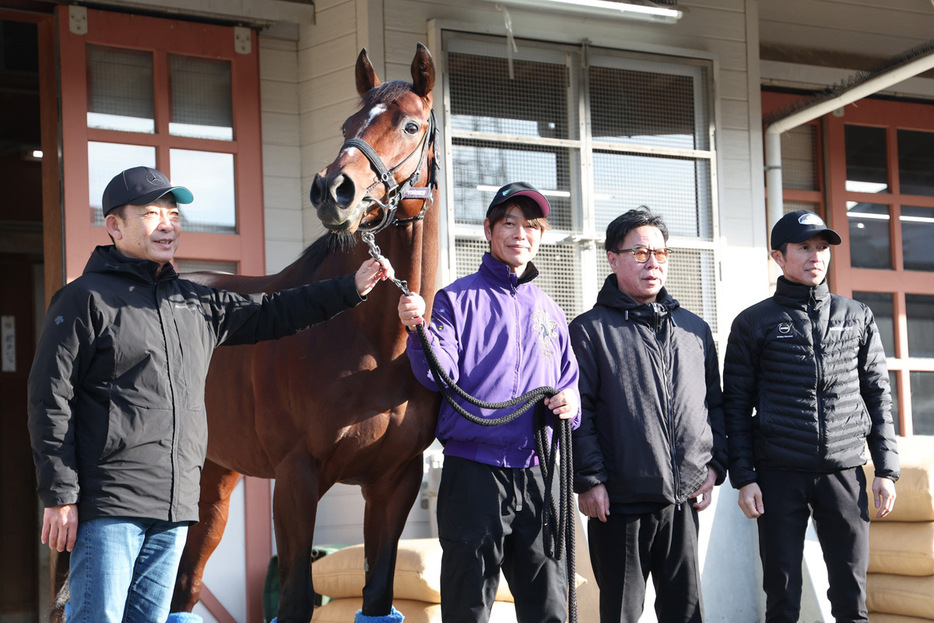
x: 141, y: 186
x: 800, y: 225
x: 519, y: 189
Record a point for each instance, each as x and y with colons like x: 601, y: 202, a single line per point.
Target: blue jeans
x: 123, y: 570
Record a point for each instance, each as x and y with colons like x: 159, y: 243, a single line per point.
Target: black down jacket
x: 651, y: 419
x: 806, y: 386
x: 116, y: 391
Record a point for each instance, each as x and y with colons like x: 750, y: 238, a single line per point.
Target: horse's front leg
x: 388, y: 502
x: 217, y: 483
x: 295, y: 507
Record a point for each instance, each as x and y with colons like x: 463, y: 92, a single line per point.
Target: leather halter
x: 396, y: 192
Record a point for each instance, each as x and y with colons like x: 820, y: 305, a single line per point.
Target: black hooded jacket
x: 116, y: 391
x: 806, y: 386
x: 651, y: 419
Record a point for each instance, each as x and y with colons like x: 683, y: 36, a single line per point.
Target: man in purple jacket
x: 497, y: 336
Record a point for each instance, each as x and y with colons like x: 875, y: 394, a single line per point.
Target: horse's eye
x: 411, y: 128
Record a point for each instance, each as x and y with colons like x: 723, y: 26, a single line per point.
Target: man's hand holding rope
x: 412, y: 307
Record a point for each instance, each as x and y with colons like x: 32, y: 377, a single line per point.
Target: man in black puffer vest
x: 805, y: 388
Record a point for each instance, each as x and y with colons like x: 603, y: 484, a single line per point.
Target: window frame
x: 584, y: 235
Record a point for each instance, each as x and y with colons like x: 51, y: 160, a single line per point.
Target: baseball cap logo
x: 811, y: 219
x: 154, y: 179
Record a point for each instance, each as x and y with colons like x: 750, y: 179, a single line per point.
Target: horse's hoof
x: 184, y: 617
x: 394, y: 616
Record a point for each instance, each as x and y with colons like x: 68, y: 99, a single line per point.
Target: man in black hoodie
x: 651, y: 444
x: 116, y: 397
x: 805, y: 389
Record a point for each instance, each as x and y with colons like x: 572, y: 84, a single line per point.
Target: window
x: 169, y: 94
x: 598, y: 132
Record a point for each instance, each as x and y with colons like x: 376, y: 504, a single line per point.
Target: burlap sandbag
x: 884, y: 617
x: 343, y: 611
x: 915, y: 487
x: 906, y: 595
x: 417, y: 576
x: 902, y: 548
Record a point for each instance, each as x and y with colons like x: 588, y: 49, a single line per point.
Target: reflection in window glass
x: 201, y: 98
x: 922, y: 402
x: 883, y: 310
x: 915, y: 162
x: 105, y: 160
x: 193, y: 266
x: 866, y: 168
x: 870, y: 245
x: 893, y: 383
x: 645, y: 107
x: 676, y: 188
x: 481, y: 168
x: 210, y: 177
x: 120, y: 90
x: 919, y: 309
x: 484, y: 98
x: 917, y: 234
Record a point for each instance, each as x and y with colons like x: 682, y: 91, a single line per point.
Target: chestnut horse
x: 336, y: 403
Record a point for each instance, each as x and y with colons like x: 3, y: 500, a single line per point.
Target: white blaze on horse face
x: 375, y: 112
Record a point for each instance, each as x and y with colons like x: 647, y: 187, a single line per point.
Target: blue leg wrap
x: 184, y: 617
x: 394, y: 616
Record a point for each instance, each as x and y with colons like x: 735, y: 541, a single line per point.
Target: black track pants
x: 627, y: 547
x: 491, y: 518
x: 839, y: 504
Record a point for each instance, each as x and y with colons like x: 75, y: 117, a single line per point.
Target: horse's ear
x: 423, y: 72
x: 365, y: 74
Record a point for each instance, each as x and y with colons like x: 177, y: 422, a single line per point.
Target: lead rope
x: 558, y: 525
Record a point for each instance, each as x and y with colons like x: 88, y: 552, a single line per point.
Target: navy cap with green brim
x: 799, y: 226
x: 141, y: 186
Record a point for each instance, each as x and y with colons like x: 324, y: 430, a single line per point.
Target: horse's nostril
x: 317, y: 190
x: 344, y: 191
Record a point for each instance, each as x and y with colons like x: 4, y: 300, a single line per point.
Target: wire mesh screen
x: 799, y: 158
x: 688, y: 271
x: 676, y: 188
x: 120, y: 83
x: 202, y: 99
x: 558, y: 265
x: 791, y: 206
x: 485, y: 99
x: 599, y: 132
x: 644, y: 107
x: 481, y: 167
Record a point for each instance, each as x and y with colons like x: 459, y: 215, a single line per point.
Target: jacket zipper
x: 814, y: 319
x: 663, y: 352
x: 169, y: 371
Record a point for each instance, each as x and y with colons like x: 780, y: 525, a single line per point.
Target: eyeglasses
x: 641, y: 254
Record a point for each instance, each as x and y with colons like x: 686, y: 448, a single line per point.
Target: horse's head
x: 383, y: 170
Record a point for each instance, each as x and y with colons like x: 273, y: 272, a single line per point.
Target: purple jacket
x: 497, y: 337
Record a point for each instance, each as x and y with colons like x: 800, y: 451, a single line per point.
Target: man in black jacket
x: 116, y: 397
x: 805, y: 388
x: 651, y: 443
